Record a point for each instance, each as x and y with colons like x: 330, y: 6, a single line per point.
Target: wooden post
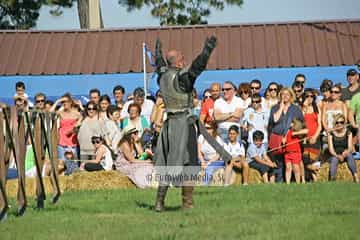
x: 51, y: 147
x: 38, y: 157
x: 3, y: 171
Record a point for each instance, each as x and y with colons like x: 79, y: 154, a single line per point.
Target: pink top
x: 66, y: 136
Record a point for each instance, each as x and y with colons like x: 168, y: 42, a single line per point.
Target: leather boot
x: 187, y: 198
x: 160, y: 198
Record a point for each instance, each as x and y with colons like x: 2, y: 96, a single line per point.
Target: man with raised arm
x: 177, y: 143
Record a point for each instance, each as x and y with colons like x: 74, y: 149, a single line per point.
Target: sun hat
x: 129, y: 130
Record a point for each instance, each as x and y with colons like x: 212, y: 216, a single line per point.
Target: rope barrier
x: 305, y: 138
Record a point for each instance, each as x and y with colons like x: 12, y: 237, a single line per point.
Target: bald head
x: 175, y: 59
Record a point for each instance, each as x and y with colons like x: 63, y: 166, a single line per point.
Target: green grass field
x: 311, y: 211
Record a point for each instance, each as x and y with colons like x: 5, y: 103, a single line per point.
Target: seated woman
x: 209, y: 159
x: 341, y: 147
x: 129, y: 158
x: 237, y: 151
x: 103, y: 159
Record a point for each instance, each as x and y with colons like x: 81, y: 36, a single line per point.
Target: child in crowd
x: 20, y: 93
x: 293, y: 156
x: 258, y: 159
x: 237, y: 151
x: 71, y: 165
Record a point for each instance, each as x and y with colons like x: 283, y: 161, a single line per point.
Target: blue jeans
x: 334, y: 164
x: 210, y: 169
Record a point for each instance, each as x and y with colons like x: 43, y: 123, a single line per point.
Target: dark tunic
x: 177, y: 143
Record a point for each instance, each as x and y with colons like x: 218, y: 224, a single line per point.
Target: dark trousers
x: 91, y: 167
x: 279, y: 171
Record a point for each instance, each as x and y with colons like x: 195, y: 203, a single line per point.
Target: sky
x: 252, y: 11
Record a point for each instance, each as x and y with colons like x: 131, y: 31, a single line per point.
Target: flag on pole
x: 150, y: 55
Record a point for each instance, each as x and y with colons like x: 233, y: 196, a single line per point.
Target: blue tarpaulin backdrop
x: 79, y: 85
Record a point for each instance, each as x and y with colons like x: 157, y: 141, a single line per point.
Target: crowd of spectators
x: 284, y: 132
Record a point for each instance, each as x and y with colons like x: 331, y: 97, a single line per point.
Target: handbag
x: 275, y: 144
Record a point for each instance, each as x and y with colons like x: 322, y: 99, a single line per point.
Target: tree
x: 180, y: 12
x: 23, y: 14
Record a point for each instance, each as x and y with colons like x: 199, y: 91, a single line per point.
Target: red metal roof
x: 240, y: 46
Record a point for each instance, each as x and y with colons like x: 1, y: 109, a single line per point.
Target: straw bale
x: 343, y: 172
x: 116, y: 180
x: 75, y: 182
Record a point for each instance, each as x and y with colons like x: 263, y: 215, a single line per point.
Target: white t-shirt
x: 257, y: 120
x: 206, y: 149
x: 146, y: 109
x: 235, y: 150
x: 225, y: 107
x: 254, y: 151
x: 245, y: 103
x: 106, y: 161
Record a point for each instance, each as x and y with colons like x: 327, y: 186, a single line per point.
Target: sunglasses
x: 207, y: 96
x: 227, y: 89
x: 40, y: 101
x: 256, y: 88
x: 335, y: 92
x: 244, y: 92
x: 309, y: 96
x: 340, y: 122
x: 208, y: 127
x: 258, y: 101
x: 91, y: 109
x: 272, y: 89
x: 97, y: 141
x: 325, y: 90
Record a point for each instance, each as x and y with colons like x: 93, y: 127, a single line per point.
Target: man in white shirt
x: 256, y: 117
x: 139, y: 98
x: 227, y: 109
x: 255, y: 88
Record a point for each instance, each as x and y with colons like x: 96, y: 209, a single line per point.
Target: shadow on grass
x: 151, y: 207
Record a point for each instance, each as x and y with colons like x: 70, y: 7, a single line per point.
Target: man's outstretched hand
x: 159, y: 60
x: 158, y: 47
x: 210, y: 42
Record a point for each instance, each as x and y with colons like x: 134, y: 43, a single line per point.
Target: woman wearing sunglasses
x: 69, y: 121
x: 341, y: 147
x: 325, y: 89
x: 90, y: 126
x: 334, y: 107
x: 103, y: 159
x: 311, y: 151
x: 272, y: 95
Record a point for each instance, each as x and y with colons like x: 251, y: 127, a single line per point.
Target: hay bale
x: 115, y: 180
x: 254, y: 177
x: 236, y: 177
x: 77, y: 181
x: 343, y: 172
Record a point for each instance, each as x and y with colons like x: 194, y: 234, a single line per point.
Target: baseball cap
x: 351, y: 72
